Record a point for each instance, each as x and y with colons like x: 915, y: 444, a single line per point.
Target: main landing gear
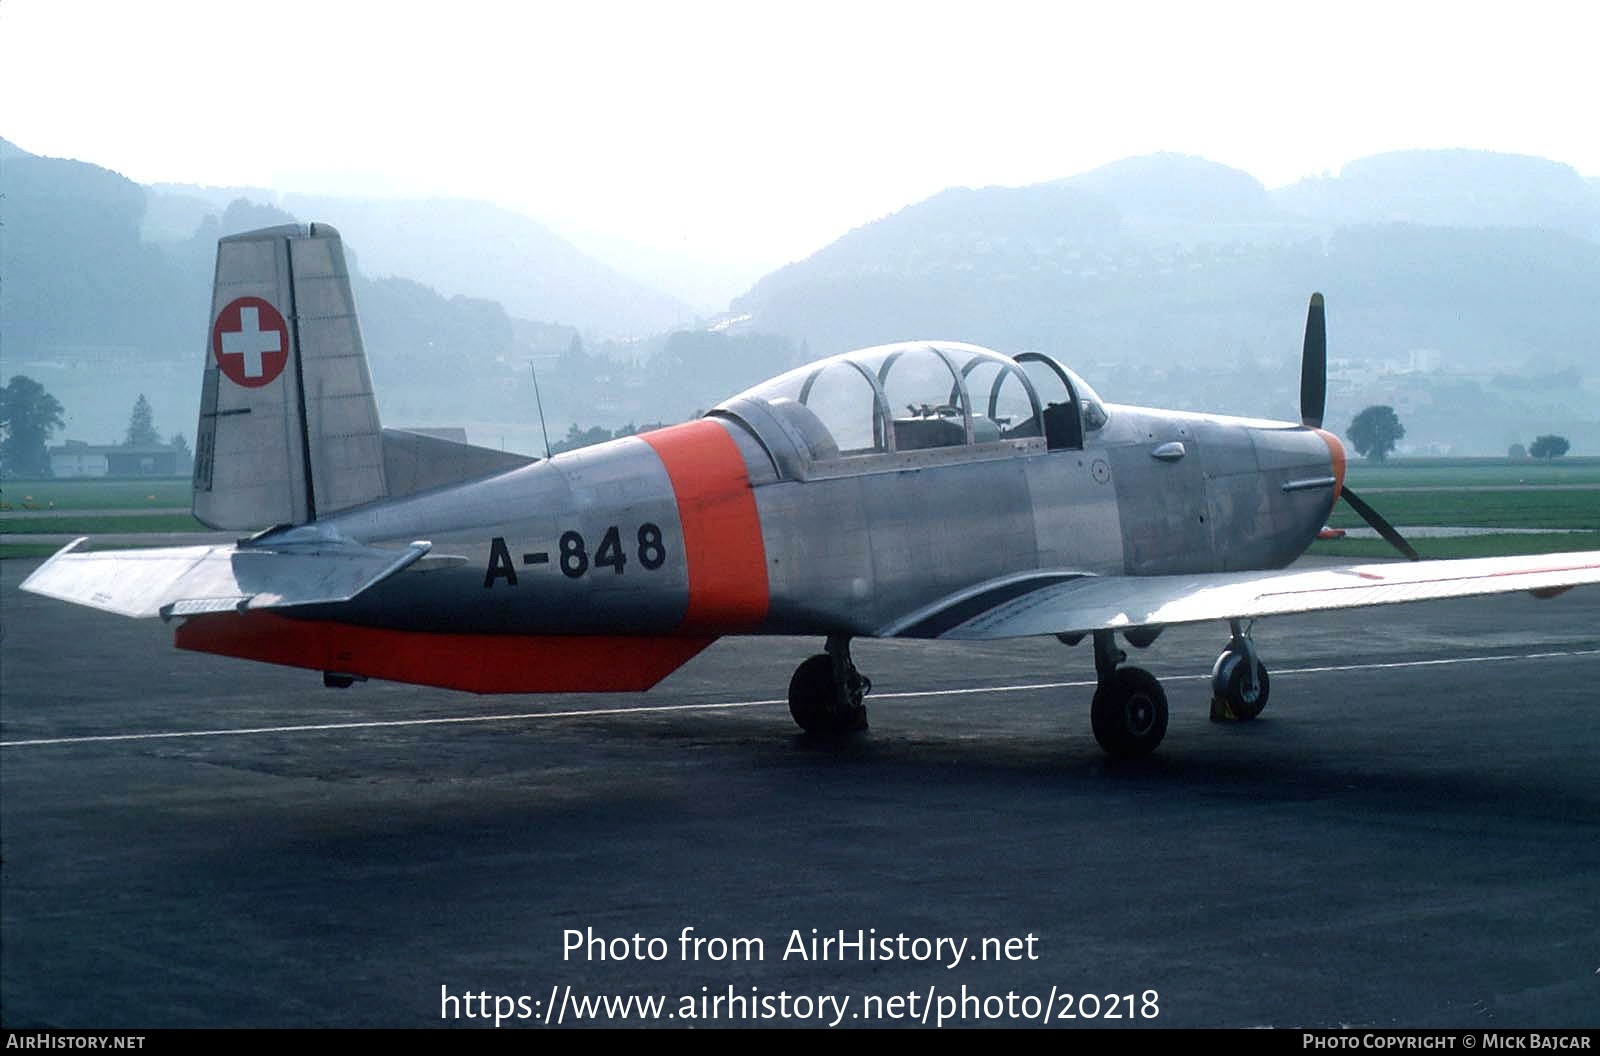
x: 825, y: 692
x: 1129, y: 713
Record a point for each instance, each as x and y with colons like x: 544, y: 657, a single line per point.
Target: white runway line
x: 661, y: 708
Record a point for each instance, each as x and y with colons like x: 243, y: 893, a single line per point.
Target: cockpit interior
x: 922, y: 396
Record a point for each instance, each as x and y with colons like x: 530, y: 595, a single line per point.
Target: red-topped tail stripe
x: 722, y: 544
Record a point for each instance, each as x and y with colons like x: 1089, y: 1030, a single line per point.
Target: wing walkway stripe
x: 728, y: 705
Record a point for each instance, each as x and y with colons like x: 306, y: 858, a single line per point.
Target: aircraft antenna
x: 540, y: 401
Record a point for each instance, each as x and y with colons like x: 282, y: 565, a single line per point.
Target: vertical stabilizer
x: 288, y: 422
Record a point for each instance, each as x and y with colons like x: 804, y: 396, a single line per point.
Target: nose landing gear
x: 1239, y: 683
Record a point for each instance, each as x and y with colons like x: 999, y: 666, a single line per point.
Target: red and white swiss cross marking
x: 250, y: 341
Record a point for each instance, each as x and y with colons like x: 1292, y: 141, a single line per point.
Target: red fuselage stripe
x: 722, y: 544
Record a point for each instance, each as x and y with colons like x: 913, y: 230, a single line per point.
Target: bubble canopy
x: 922, y: 395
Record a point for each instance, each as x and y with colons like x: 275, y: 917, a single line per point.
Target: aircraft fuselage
x: 605, y: 537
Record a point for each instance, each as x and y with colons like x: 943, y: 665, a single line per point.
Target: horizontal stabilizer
x: 414, y: 462
x: 187, y: 580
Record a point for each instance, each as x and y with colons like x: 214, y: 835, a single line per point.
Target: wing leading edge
x: 1077, y: 604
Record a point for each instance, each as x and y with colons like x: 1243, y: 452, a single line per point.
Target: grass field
x: 1446, y: 498
x: 63, y: 498
x: 1464, y: 546
x: 70, y: 524
x: 87, y: 493
x: 1526, y: 508
x: 1471, y: 472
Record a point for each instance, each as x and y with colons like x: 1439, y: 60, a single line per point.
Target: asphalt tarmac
x: 1409, y: 836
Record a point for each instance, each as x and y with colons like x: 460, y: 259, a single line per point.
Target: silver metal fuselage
x: 854, y: 546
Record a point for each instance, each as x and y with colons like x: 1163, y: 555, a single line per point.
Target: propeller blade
x: 1314, y: 365
x: 1385, y: 529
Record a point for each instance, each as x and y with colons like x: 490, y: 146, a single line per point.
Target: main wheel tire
x: 1228, y: 687
x: 1129, y: 713
x: 814, y: 702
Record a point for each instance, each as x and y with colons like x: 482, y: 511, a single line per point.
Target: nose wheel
x: 1239, y: 682
x: 1129, y: 711
x: 826, y: 691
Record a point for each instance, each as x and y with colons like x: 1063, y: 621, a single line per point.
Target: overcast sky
x: 759, y: 132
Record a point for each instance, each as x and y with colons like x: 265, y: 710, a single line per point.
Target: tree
x: 142, y: 426
x: 577, y: 438
x: 28, y: 415
x: 185, y: 458
x: 1375, y: 431
x: 1516, y: 452
x: 574, y: 361
x: 1548, y: 447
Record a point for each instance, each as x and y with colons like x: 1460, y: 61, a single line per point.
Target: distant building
x: 1423, y: 361
x: 78, y: 459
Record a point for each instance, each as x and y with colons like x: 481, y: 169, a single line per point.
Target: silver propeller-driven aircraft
x: 922, y: 490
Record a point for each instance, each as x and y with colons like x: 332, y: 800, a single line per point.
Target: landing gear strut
x: 825, y: 692
x: 1239, y: 683
x: 1129, y: 713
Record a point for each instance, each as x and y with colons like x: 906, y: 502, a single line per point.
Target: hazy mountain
x: 98, y: 314
x: 957, y: 264
x: 174, y: 212
x: 76, y: 272
x: 1104, y: 261
x: 1165, y: 190
x: 1038, y: 266
x: 458, y: 246
x: 1450, y: 188
x: 1461, y: 288
x: 704, y: 284
x: 1175, y: 281
x: 1152, y: 259
x: 87, y: 308
x: 468, y: 247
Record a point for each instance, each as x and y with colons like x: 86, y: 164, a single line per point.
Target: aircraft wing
x: 1068, y: 603
x: 187, y: 580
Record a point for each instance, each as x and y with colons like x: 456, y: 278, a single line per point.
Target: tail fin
x: 288, y: 423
